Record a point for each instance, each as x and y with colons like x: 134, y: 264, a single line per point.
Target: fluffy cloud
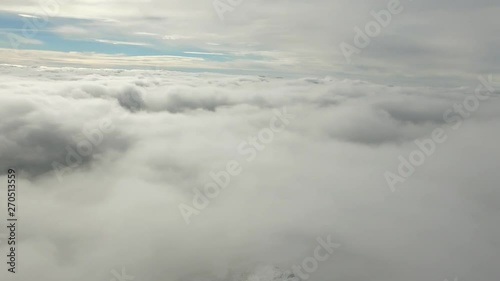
x: 322, y: 175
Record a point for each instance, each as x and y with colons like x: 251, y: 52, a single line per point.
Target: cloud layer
x: 322, y: 175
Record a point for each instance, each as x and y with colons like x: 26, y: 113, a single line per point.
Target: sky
x: 190, y: 140
x: 425, y: 42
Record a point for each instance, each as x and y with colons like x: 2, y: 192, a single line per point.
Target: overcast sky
x: 429, y: 41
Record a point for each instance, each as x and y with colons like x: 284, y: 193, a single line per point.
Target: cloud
x: 121, y: 42
x: 147, y: 34
x: 204, y: 53
x: 70, y: 30
x: 96, y: 60
x: 175, y: 37
x: 131, y: 99
x: 323, y: 174
x: 28, y: 16
x: 441, y: 49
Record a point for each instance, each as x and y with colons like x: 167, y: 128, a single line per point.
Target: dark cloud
x: 131, y: 99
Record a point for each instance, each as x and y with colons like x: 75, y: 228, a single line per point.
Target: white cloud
x: 175, y: 37
x: 322, y: 175
x: 28, y: 16
x: 70, y: 30
x: 121, y: 42
x: 48, y: 58
x: 147, y: 34
x: 204, y: 53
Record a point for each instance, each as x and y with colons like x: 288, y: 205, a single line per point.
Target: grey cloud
x: 33, y: 139
x: 131, y: 99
